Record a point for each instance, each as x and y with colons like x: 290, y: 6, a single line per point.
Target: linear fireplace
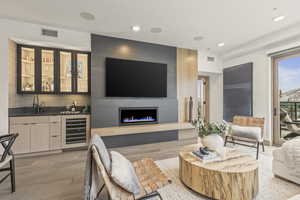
x: 138, y: 115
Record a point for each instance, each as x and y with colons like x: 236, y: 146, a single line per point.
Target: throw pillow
x: 123, y: 173
x: 246, y: 132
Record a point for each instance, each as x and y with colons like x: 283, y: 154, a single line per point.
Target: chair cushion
x: 249, y: 132
x: 123, y: 173
x: 7, y: 159
x: 103, y: 152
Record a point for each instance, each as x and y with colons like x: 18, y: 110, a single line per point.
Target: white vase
x: 214, y: 142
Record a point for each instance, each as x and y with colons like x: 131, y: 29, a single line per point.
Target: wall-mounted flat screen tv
x: 129, y: 78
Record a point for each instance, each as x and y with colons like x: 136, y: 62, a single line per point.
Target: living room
x: 131, y: 100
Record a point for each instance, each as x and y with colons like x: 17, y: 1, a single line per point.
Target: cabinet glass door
x: 82, y: 72
x: 65, y: 71
x: 27, y: 69
x: 47, y: 84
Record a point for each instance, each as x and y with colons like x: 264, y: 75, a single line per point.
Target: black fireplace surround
x: 138, y: 115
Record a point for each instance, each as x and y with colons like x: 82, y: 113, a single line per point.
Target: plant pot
x: 214, y: 142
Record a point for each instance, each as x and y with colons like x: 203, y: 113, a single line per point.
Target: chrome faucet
x: 36, y: 103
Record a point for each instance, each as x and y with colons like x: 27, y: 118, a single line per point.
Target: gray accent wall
x: 105, y: 110
x: 138, y: 139
x: 238, y: 92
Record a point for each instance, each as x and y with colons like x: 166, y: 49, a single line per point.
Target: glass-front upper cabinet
x: 82, y: 72
x: 26, y: 78
x: 43, y: 70
x: 66, y: 72
x: 47, y: 72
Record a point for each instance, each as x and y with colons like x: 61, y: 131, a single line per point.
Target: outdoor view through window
x: 289, y: 86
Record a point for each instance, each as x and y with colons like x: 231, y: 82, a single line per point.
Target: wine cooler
x: 75, y: 130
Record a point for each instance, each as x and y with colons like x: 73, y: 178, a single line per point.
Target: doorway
x: 203, y: 96
x: 286, y: 97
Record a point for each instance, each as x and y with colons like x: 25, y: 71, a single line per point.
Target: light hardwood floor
x: 60, y: 176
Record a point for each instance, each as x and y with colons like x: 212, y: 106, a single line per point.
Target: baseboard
x: 26, y: 155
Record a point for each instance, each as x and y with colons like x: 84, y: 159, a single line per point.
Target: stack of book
x: 208, y: 156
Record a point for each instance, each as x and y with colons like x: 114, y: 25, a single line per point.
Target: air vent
x: 49, y: 33
x: 210, y: 59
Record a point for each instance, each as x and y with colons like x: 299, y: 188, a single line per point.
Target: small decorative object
x: 68, y: 68
x: 80, y: 69
x: 205, y: 155
x: 190, y: 109
x: 204, y: 150
x: 210, y: 134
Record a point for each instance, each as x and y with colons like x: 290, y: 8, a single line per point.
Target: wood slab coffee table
x: 234, y: 178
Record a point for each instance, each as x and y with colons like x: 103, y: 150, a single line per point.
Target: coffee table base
x: 220, y: 185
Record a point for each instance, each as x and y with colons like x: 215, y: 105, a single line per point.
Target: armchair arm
x: 7, y: 141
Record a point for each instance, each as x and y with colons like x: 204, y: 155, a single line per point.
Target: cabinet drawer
x: 29, y: 120
x: 53, y: 119
x: 55, y: 142
x: 55, y: 129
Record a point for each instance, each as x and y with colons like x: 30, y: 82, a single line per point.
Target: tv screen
x: 129, y: 78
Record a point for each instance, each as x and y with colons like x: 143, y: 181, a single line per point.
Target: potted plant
x: 210, y: 134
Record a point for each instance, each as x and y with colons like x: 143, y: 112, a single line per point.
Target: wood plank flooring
x: 60, y: 176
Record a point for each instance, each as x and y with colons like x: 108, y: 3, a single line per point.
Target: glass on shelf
x: 82, y: 71
x: 65, y: 71
x: 27, y: 69
x: 47, y: 71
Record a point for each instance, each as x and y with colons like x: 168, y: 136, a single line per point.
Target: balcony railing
x: 293, y: 109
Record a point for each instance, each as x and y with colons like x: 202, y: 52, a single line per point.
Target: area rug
x: 270, y: 187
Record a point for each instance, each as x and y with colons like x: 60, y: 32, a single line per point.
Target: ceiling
x: 233, y: 22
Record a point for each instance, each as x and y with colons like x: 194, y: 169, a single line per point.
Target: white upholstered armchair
x: 286, y: 161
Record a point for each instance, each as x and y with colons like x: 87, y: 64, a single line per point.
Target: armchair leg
x: 153, y: 194
x: 226, y: 137
x: 257, y: 151
x: 159, y: 196
x: 99, y: 192
x: 263, y: 146
x: 13, y: 175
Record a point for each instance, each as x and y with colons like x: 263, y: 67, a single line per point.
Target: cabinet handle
x: 55, y: 136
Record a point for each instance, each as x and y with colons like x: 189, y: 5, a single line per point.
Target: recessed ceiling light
x: 87, y: 16
x: 279, y: 18
x: 156, y: 30
x: 136, y: 28
x: 221, y: 44
x: 198, y: 38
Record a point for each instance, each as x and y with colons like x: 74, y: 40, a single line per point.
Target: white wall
x: 210, y: 67
x: 3, y: 80
x: 262, y: 79
x: 261, y: 85
x: 31, y: 33
x: 214, y: 71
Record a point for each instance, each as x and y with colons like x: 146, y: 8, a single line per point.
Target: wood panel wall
x: 187, y: 75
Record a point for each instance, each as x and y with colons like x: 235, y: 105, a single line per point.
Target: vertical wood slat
x: 187, y: 76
